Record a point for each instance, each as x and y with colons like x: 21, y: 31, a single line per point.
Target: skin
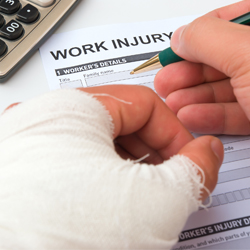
x: 149, y: 126
x: 211, y: 92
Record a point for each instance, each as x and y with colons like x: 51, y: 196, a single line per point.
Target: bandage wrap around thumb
x: 62, y: 185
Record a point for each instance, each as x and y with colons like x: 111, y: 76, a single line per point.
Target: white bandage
x: 62, y: 185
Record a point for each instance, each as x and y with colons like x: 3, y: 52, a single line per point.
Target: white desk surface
x: 30, y: 80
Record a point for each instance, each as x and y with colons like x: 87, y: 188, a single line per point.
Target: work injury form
x: 106, y: 55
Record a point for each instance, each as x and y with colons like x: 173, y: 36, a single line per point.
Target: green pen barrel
x: 167, y: 56
x: 244, y: 19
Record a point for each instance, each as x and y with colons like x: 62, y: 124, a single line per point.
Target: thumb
x: 207, y: 152
x: 222, y: 45
x: 213, y: 41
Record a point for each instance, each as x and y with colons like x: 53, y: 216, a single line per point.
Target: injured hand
x: 65, y: 184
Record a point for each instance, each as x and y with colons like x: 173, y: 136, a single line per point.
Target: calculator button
x: 28, y: 14
x: 43, y: 3
x: 1, y: 20
x: 12, y: 30
x: 9, y: 6
x: 3, y: 47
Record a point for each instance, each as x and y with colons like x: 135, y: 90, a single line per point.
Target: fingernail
x: 218, y: 149
x: 175, y: 40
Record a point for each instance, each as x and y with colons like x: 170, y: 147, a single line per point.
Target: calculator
x: 24, y: 26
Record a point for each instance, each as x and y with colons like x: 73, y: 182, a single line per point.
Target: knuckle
x: 238, y: 66
x: 196, y: 28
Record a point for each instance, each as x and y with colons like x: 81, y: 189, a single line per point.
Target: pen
x: 167, y: 56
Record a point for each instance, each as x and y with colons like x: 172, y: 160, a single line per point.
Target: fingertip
x: 176, y: 38
x: 172, y: 101
x: 160, y: 83
x: 171, y: 78
x: 183, y: 115
x: 207, y: 152
x: 218, y: 149
x: 203, y: 118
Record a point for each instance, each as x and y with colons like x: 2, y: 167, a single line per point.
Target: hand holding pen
x: 210, y: 91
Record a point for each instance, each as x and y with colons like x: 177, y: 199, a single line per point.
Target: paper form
x: 106, y: 55
x: 228, y: 216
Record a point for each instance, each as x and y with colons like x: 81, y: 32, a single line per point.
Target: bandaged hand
x: 70, y: 176
x: 210, y: 91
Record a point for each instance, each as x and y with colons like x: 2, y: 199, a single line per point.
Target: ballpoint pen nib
x: 151, y: 64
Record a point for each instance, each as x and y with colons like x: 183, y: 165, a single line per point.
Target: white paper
x: 228, y: 217
x: 106, y: 55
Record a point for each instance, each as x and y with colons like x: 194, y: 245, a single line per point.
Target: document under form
x: 106, y: 55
